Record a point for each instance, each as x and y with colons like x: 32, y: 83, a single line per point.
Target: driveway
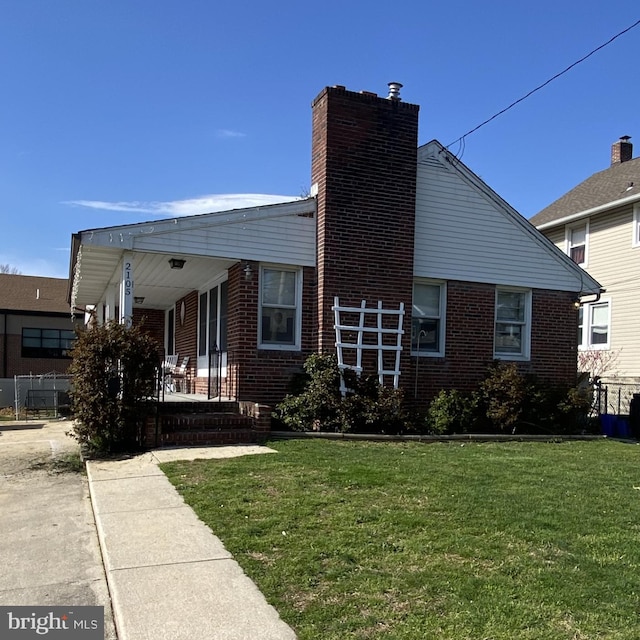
x: 49, y: 548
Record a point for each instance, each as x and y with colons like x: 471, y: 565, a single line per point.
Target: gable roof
x: 606, y: 189
x: 33, y: 294
x: 465, y: 231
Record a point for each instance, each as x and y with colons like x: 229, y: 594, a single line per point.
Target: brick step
x: 208, y: 437
x: 169, y: 408
x: 200, y: 421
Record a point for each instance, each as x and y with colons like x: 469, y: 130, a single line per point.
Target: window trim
x: 584, y: 344
x: 525, y: 352
x: 567, y: 240
x: 635, y: 230
x: 297, y: 344
x: 440, y: 353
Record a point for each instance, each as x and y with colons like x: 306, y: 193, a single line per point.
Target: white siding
x: 616, y: 264
x: 464, y: 234
x: 288, y: 240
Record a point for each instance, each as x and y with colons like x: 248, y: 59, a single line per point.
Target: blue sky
x: 120, y: 111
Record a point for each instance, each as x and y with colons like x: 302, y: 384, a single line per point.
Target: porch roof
x: 209, y: 244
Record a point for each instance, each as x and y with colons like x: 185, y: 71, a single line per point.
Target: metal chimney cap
x: 394, y: 91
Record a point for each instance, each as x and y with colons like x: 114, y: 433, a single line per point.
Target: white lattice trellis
x: 393, y: 346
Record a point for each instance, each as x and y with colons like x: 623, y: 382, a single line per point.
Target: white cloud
x: 193, y: 206
x: 229, y: 133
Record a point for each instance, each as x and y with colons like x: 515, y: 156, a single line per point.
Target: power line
x: 544, y: 84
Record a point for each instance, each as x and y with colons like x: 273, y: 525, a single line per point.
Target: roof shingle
x: 617, y: 182
x: 33, y: 293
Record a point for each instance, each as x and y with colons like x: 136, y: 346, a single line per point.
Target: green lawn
x: 419, y: 541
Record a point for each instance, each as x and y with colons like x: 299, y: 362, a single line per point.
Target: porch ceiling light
x: 248, y: 272
x: 176, y: 263
x: 138, y: 299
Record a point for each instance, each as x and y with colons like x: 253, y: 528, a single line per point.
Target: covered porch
x: 194, y: 283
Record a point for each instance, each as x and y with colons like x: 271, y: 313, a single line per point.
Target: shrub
x: 316, y: 406
x: 367, y: 408
x: 113, y: 378
x: 503, y: 393
x: 452, y: 411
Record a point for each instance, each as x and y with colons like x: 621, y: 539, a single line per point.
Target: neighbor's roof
x: 33, y: 293
x: 619, y: 182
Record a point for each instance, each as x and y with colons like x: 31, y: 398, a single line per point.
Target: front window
x: 512, y: 324
x: 427, y: 319
x: 594, y: 325
x: 47, y: 343
x: 576, y: 237
x: 279, y: 308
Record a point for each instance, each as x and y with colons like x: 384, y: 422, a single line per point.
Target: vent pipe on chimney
x: 394, y: 91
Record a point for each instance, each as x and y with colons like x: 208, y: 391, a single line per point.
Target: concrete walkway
x: 168, y: 575
x: 49, y: 552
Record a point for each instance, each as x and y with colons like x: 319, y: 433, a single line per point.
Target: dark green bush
x: 453, y: 411
x: 113, y: 378
x: 368, y: 407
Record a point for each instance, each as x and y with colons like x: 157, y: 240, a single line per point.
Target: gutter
x: 589, y: 212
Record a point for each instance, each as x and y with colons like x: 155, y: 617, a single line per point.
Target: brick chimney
x: 621, y: 150
x: 364, y: 162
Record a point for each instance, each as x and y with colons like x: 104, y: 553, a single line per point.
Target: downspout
x: 5, y: 343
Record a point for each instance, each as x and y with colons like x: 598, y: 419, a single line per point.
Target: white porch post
x: 100, y: 307
x: 110, y: 303
x: 126, y: 289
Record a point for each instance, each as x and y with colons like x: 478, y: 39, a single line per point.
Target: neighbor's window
x: 577, y: 243
x: 47, y: 343
x: 594, y: 325
x: 279, y: 308
x: 635, y: 241
x: 513, y: 324
x: 427, y: 319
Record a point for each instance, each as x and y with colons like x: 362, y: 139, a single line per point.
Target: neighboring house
x: 597, y: 224
x: 387, y: 222
x: 36, y: 329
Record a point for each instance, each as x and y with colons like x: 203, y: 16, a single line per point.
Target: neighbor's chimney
x: 622, y: 150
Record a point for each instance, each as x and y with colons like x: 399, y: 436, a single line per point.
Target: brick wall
x: 187, y: 332
x: 153, y: 320
x: 364, y: 154
x: 469, y: 342
x: 261, y: 375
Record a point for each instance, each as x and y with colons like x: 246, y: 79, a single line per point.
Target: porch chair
x: 168, y: 367
x: 180, y: 374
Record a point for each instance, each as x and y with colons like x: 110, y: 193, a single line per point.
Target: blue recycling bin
x: 608, y: 424
x: 622, y: 428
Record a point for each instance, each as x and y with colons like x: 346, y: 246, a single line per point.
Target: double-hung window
x: 280, y: 303
x: 512, y: 324
x: 594, y: 325
x: 576, y: 241
x: 427, y: 319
